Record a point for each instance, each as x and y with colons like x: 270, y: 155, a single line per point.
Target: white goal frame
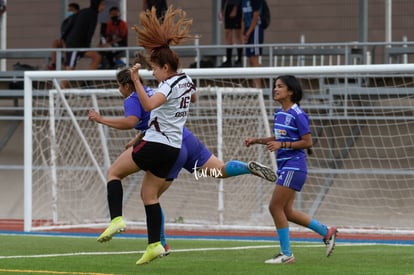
x: 223, y: 73
x: 55, y: 77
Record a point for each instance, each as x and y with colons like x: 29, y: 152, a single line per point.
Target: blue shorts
x: 256, y: 38
x: 193, y: 155
x: 291, y: 179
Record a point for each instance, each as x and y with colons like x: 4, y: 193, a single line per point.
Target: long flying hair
x: 157, y: 36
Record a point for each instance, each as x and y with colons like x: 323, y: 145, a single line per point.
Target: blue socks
x: 235, y: 168
x: 283, y: 234
x: 162, y: 235
x: 319, y: 228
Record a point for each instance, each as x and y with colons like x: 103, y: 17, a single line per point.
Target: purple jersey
x: 132, y: 107
x: 290, y: 126
x: 193, y: 155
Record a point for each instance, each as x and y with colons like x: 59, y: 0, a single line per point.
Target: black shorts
x: 155, y: 157
x: 232, y: 22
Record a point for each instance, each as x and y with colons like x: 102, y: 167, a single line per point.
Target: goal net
x: 70, y: 155
x: 360, y: 174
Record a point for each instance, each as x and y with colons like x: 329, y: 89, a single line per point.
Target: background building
x: 34, y: 24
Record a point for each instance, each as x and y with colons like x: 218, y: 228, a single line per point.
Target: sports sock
x: 235, y: 168
x: 284, y: 240
x: 154, y: 218
x: 239, y: 53
x: 162, y: 235
x: 229, y: 52
x: 115, y: 196
x: 318, y: 227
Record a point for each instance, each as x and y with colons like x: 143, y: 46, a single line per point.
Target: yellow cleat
x: 117, y: 226
x: 154, y: 250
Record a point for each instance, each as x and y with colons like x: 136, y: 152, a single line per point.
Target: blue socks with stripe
x: 319, y: 228
x: 235, y: 168
x: 162, y: 235
x: 283, y: 234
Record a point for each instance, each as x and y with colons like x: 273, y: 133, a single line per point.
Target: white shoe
x: 281, y: 259
x: 261, y: 170
x: 329, y: 240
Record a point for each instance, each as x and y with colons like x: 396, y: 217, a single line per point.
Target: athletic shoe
x: 167, y: 250
x: 117, y: 226
x: 238, y: 63
x: 154, y: 250
x: 226, y: 64
x: 329, y: 240
x: 281, y: 259
x: 262, y: 171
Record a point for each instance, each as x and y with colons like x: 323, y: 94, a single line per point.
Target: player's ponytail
x: 157, y: 36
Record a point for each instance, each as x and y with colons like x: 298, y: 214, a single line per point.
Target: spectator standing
x: 65, y: 27
x: 231, y: 12
x: 253, y: 33
x: 80, y: 36
x: 160, y: 6
x: 116, y: 36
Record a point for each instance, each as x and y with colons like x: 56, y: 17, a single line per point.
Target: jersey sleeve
x: 123, y: 29
x: 256, y: 5
x: 302, y: 123
x: 132, y: 107
x: 164, y: 88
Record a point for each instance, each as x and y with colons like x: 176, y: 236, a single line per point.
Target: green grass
x: 76, y: 255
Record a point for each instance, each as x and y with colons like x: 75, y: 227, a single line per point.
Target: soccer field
x: 50, y: 254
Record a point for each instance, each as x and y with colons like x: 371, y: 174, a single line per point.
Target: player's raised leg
x: 122, y: 167
x: 234, y: 168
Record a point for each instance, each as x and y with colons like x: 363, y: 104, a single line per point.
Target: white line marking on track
x: 93, y: 253
x: 140, y: 252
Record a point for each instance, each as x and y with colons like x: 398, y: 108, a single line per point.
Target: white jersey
x: 167, y: 121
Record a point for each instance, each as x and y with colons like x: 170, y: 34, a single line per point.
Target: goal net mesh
x: 360, y: 174
x: 71, y: 155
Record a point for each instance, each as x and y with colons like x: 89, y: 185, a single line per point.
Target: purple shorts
x: 193, y: 155
x: 292, y: 179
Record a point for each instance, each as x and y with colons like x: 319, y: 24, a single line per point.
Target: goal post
x: 69, y: 155
x: 360, y: 175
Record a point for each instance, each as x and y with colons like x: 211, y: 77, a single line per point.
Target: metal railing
x: 282, y: 54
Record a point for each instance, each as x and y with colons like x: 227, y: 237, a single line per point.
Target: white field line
x: 141, y: 252
x: 172, y: 250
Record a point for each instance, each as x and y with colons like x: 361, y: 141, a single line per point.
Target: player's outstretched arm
x: 124, y: 123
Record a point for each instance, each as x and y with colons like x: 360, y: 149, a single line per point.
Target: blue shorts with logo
x: 294, y: 179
